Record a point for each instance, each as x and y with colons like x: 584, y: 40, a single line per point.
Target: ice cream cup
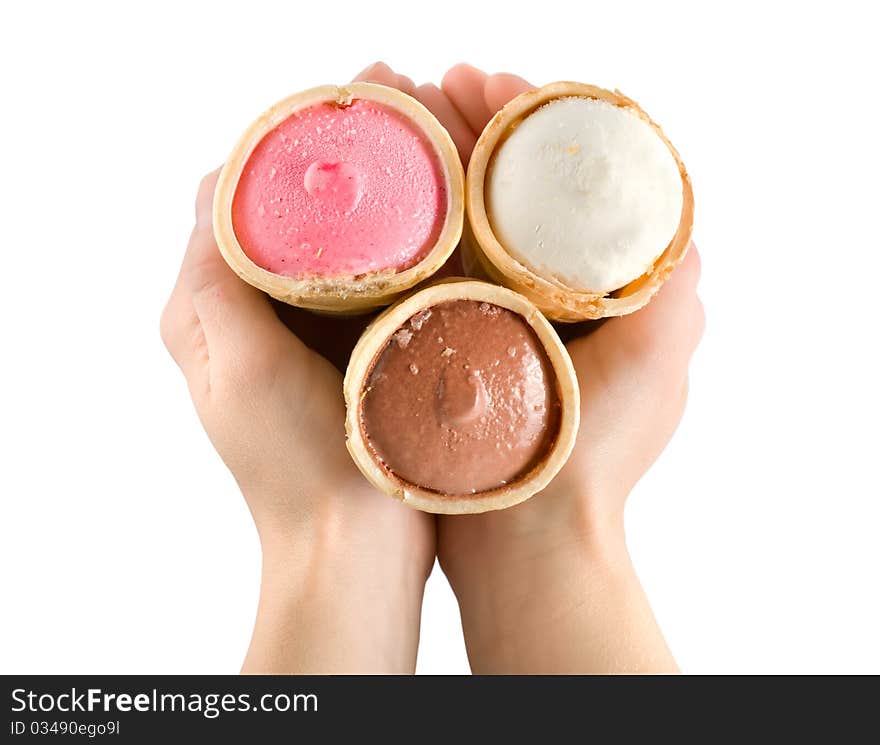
x: 461, y: 398
x: 340, y: 198
x: 576, y: 199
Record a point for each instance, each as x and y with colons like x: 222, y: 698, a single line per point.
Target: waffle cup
x: 373, y: 342
x: 489, y: 258
x: 345, y: 295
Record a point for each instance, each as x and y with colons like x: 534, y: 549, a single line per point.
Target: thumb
x: 212, y: 313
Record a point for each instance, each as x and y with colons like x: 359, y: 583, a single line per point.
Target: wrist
x: 532, y: 573
x: 294, y: 521
x: 318, y: 615
x: 557, y: 615
x: 325, y: 578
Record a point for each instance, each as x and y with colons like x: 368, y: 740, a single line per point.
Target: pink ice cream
x: 340, y: 190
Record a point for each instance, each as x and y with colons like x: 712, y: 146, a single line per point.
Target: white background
x: 124, y: 544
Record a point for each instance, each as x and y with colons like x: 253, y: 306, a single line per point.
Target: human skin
x: 344, y: 567
x: 544, y: 587
x: 548, y: 586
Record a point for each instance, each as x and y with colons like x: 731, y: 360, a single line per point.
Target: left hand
x: 340, y: 560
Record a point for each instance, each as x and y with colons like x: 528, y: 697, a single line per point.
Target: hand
x: 344, y: 567
x: 547, y: 586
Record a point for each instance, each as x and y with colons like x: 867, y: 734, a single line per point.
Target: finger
x: 435, y: 100
x: 501, y: 88
x: 464, y: 86
x: 406, y: 85
x: 211, y: 310
x: 378, y: 72
x: 381, y: 73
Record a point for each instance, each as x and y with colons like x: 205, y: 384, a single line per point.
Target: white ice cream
x: 586, y: 192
